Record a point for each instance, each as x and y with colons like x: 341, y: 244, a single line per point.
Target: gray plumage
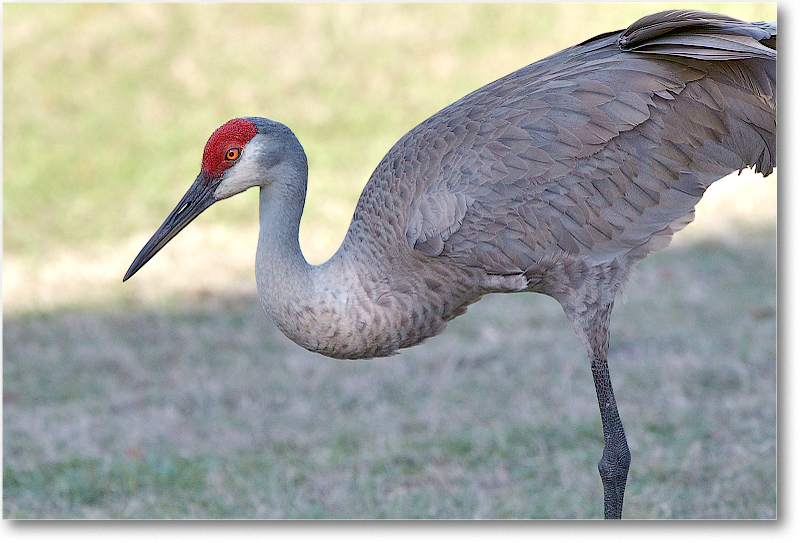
x: 578, y: 165
x: 555, y: 179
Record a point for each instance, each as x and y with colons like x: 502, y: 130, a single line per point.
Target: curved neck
x: 365, y: 301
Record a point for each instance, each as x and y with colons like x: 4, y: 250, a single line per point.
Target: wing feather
x: 598, y: 151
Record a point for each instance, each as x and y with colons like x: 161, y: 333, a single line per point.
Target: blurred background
x: 174, y: 396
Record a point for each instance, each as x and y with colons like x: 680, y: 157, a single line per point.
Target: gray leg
x: 616, y: 457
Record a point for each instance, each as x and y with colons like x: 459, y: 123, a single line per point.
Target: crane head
x: 233, y: 161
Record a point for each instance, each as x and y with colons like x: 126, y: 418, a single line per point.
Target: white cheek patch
x: 247, y: 172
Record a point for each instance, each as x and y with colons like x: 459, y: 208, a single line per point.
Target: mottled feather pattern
x: 555, y: 179
x: 595, y: 155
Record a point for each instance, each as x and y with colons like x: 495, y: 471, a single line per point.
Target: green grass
x: 206, y: 411
x: 172, y: 395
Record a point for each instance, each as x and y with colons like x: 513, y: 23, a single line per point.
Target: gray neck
x: 365, y: 301
x: 283, y: 276
x: 317, y: 307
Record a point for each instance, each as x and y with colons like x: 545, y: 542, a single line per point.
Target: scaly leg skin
x: 616, y: 457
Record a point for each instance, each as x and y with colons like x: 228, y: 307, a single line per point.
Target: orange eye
x: 233, y: 153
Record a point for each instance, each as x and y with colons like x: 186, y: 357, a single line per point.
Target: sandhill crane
x: 554, y: 179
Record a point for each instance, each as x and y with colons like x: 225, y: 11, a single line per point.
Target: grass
x: 147, y: 413
x: 172, y: 396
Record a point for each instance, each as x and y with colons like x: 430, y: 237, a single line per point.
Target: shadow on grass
x: 206, y: 411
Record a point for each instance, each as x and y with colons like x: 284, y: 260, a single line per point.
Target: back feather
x: 599, y: 152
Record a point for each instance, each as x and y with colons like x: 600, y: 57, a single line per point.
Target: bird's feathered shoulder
x: 599, y: 149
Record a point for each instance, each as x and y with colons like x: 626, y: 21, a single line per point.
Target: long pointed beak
x: 196, y: 200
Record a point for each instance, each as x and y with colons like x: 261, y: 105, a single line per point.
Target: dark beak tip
x: 131, y: 271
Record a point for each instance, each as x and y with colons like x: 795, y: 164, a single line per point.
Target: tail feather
x: 704, y: 36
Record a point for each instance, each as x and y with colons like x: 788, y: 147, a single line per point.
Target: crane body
x: 554, y: 179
